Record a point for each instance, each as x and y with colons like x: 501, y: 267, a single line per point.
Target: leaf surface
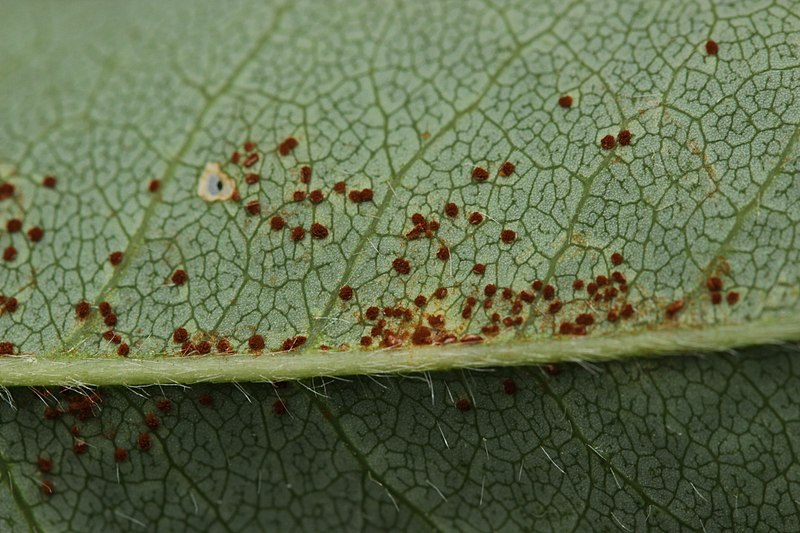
x: 661, y: 444
x: 107, y: 98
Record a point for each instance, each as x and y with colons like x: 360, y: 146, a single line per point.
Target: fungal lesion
x: 214, y: 185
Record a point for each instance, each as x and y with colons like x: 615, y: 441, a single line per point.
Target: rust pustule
x: 13, y: 225
x: 674, y: 308
x: 179, y: 277
x: 316, y: 196
x: 305, y: 174
x: 318, y: 231
x: 180, y: 335
x: 297, y: 234
x: 346, y: 293
x: 82, y: 310
x: 475, y: 218
x: 507, y: 169
x: 255, y: 343
x: 287, y: 146
x: 508, y: 236
x: 277, y: 223
x: 253, y: 208
x: 480, y: 174
x: 401, y: 265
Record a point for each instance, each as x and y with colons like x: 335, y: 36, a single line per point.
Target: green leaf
x: 662, y: 444
x: 107, y: 98
x: 406, y: 99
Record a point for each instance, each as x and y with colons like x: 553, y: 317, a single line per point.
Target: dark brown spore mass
x: 507, y: 169
x: 179, y: 277
x: 346, y: 293
x: 475, y: 218
x: 255, y: 343
x: 253, y: 208
x: 298, y: 232
x: 508, y: 236
x: 607, y: 142
x: 277, y: 223
x: 13, y: 225
x: 402, y: 266
x: 318, y: 231
x: 180, y: 336
x: 83, y: 309
x: 480, y: 174
x: 286, y: 147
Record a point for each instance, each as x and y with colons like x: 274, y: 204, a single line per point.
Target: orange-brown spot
x: 286, y: 147
x: 253, y: 208
x: 305, y: 174
x: 35, y: 234
x: 179, y: 277
x: 421, y: 335
x: 318, y: 231
x: 346, y: 293
x: 316, y: 196
x: 674, y: 308
x: 297, y: 234
x: 480, y: 174
x: 507, y: 169
x: 83, y: 309
x: 255, y: 343
x: 277, y: 223
x: 401, y: 265
x: 508, y: 236
x: 13, y: 225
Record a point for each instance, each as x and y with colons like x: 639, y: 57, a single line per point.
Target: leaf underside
x: 659, y: 444
x: 405, y: 99
x: 687, y: 227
